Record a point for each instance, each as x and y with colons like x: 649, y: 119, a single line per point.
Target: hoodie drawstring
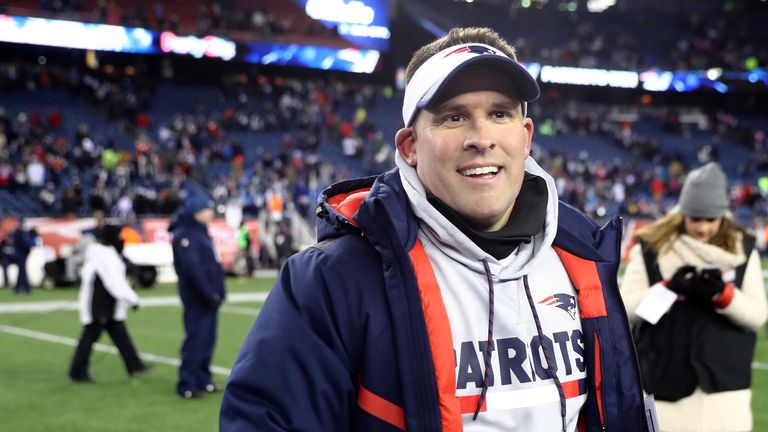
x: 489, y: 343
x: 547, y: 353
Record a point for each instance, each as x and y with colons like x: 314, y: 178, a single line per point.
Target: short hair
x: 456, y: 36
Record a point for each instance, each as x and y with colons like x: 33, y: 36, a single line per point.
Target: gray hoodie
x: 531, y: 287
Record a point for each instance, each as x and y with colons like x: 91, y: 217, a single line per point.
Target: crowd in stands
x: 227, y: 18
x: 630, y: 35
x: 633, y: 35
x: 270, y: 144
x: 141, y: 175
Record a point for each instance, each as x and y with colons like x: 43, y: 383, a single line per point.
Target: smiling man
x: 452, y: 293
x: 473, y: 144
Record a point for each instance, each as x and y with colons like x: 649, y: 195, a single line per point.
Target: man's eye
x: 453, y: 118
x: 501, y: 114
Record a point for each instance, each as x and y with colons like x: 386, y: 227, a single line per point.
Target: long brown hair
x: 661, y: 234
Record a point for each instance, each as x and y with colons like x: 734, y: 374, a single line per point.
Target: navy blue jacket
x: 22, y: 245
x: 201, y: 276
x: 341, y: 342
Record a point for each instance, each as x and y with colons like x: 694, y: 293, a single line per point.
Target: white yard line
x: 47, y: 337
x: 241, y: 310
x: 61, y: 305
x: 18, y: 331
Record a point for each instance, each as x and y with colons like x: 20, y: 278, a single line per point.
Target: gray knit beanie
x: 704, y: 193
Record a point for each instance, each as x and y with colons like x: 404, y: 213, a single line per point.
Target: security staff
x: 201, y: 288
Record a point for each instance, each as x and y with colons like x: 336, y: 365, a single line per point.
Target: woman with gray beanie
x: 696, y: 349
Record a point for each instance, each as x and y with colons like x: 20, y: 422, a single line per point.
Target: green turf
x: 70, y: 293
x: 35, y: 394
x: 760, y: 384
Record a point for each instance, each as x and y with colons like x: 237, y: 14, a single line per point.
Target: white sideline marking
x: 47, y: 337
x: 154, y: 357
x: 241, y: 310
x: 57, y: 305
x: 62, y: 305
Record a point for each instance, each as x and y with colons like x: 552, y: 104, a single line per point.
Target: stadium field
x: 37, y: 334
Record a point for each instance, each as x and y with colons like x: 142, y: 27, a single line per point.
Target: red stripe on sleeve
x: 380, y: 408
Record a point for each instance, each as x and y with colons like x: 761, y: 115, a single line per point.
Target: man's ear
x: 528, y: 131
x: 405, y: 140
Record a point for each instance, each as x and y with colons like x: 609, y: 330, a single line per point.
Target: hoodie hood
x: 391, y: 208
x: 460, y: 248
x: 375, y: 206
x: 380, y: 208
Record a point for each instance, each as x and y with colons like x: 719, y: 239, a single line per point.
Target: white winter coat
x: 105, y: 262
x: 728, y: 411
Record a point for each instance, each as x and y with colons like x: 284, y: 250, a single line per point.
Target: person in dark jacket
x: 104, y: 297
x: 6, y: 258
x: 202, y: 291
x: 23, y: 241
x: 455, y: 292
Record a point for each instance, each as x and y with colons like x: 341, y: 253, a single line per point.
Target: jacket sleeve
x: 634, y: 285
x: 294, y: 371
x: 748, y: 307
x: 111, y: 270
x: 106, y: 263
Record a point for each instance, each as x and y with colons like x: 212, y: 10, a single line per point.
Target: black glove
x: 707, y: 284
x: 214, y: 301
x: 135, y: 306
x: 682, y: 280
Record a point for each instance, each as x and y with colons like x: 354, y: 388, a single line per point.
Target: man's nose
x: 479, y: 136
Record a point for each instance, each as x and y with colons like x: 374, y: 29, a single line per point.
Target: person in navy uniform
x: 6, y: 258
x: 23, y: 240
x: 201, y: 288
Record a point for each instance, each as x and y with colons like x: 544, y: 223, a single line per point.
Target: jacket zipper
x: 598, y: 380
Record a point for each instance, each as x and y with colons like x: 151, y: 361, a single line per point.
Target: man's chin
x: 482, y: 221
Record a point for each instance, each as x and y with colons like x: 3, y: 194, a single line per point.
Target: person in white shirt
x: 104, y: 298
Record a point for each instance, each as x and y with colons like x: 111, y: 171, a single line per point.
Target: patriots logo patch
x: 475, y: 49
x: 565, y: 302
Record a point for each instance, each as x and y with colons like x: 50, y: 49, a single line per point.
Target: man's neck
x: 525, y: 221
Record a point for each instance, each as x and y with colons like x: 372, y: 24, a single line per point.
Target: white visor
x: 430, y: 77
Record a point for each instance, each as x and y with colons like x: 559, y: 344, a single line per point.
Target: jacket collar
x: 350, y: 213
